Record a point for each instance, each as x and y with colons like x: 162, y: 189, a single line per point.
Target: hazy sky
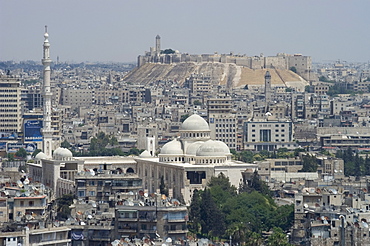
x: 120, y: 30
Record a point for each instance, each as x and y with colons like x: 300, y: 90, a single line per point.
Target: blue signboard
x: 7, y: 135
x: 2, y: 146
x: 14, y: 147
x: 32, y: 130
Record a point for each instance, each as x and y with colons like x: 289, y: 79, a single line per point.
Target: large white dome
x: 195, y: 123
x: 223, y: 146
x: 172, y: 148
x: 210, y: 148
x: 192, y: 148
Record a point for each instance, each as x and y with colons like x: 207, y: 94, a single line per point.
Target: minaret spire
x: 47, y: 131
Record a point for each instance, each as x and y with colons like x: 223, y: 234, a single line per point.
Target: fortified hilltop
x: 225, y: 69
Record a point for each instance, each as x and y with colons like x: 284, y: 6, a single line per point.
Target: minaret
x: 267, y: 88
x: 157, y: 44
x: 47, y: 131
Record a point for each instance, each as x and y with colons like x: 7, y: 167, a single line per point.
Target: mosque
x: 188, y: 162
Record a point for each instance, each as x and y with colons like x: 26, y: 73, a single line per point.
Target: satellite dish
x: 92, y: 172
x: 17, y: 193
x: 17, y: 218
x: 26, y: 181
x: 145, y: 194
x: 169, y: 240
x: 27, y: 193
x: 19, y: 183
x: 29, y: 217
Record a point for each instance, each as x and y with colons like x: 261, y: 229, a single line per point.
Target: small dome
x: 172, y: 148
x: 57, y: 151
x: 195, y: 123
x: 145, y: 154
x: 62, y: 153
x: 41, y: 155
x: 192, y: 149
x: 210, y: 148
x: 66, y: 153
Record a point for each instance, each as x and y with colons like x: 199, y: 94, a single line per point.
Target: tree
x: 22, y: 153
x: 63, y: 203
x: 278, y: 237
x: 194, y: 213
x: 309, y: 163
x: 36, y: 152
x: 212, y: 219
x: 293, y: 69
x: 184, y: 117
x: 10, y: 156
x: 167, y: 51
x: 197, y: 102
x: 65, y: 144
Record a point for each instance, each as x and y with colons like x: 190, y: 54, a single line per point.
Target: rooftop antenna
x: 46, y: 28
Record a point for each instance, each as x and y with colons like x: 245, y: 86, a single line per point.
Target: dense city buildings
x: 183, y: 119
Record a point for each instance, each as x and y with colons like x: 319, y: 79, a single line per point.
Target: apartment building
x: 222, y: 121
x: 10, y: 105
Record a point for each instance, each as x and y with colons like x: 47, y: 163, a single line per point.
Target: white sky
x: 120, y: 30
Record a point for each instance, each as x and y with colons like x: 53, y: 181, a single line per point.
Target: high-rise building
x: 222, y: 122
x: 10, y: 105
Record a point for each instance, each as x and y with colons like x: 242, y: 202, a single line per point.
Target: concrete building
x: 10, y: 105
x: 222, y: 121
x: 268, y: 135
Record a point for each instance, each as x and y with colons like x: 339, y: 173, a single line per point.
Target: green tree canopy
x: 21, y: 153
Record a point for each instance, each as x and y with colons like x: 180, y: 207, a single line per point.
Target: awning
x: 77, y: 236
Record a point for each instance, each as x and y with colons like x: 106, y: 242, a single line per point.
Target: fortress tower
x: 267, y: 88
x: 47, y: 131
x: 157, y: 44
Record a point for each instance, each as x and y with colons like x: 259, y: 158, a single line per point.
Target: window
x: 81, y: 193
x: 92, y: 193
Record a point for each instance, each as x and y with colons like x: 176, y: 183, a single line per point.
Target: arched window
x: 130, y: 170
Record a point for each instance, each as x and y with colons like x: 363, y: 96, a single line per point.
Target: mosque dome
x: 192, y: 149
x: 210, y: 148
x: 61, y: 153
x: 41, y: 155
x: 194, y: 123
x: 223, y: 146
x: 57, y: 151
x: 172, y: 148
x: 65, y: 153
x: 145, y: 154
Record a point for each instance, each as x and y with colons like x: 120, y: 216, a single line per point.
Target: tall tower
x: 47, y: 131
x: 157, y: 44
x: 267, y: 88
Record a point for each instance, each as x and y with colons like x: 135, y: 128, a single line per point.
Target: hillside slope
x: 225, y: 73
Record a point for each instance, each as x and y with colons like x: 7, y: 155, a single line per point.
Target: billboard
x: 32, y: 130
x: 8, y: 135
x: 2, y: 146
x: 14, y: 147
